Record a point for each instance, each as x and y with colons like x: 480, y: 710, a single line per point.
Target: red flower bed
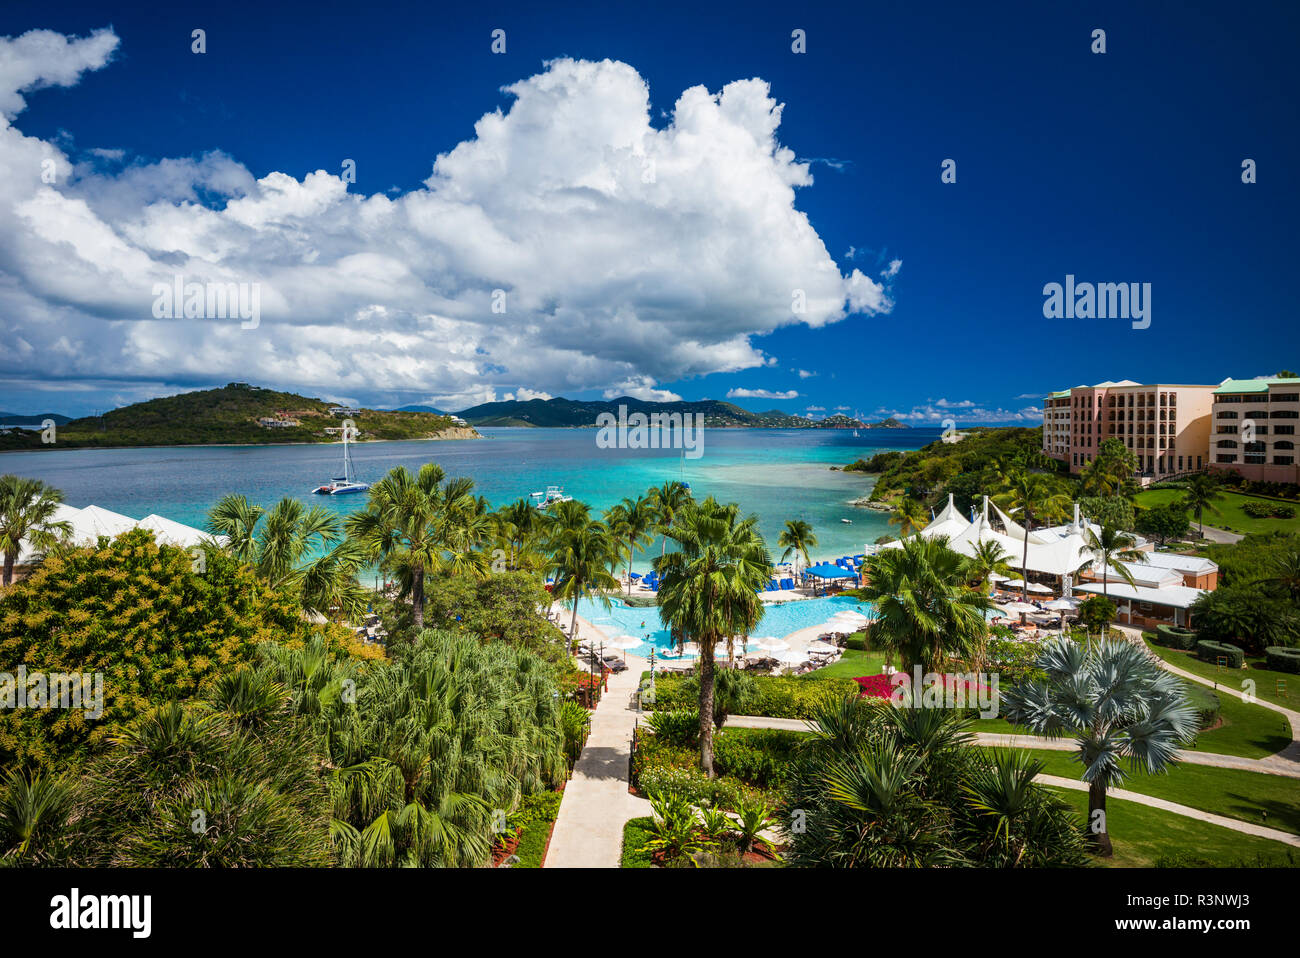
x: 876, y: 686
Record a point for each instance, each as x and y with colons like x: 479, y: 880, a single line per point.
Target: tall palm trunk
x: 631, y: 547
x: 706, y: 706
x: 9, y: 568
x: 1024, y: 570
x: 1098, y: 833
x: 573, y: 620
x: 417, y: 600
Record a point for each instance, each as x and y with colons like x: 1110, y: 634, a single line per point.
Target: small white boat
x: 552, y: 494
x: 346, y: 483
x: 847, y: 522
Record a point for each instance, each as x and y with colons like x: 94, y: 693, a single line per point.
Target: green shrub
x: 653, y: 752
x: 636, y: 834
x: 772, y: 696
x: 1205, y: 702
x: 535, y: 815
x: 676, y: 727
x: 1257, y: 510
x: 1280, y: 659
x: 1208, y: 651
x: 1175, y: 637
x: 691, y: 784
x: 757, y: 756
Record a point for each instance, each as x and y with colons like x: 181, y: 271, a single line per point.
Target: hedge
x: 1176, y: 637
x: 1208, y: 651
x: 1281, y: 659
x: 775, y: 696
x: 1206, y: 704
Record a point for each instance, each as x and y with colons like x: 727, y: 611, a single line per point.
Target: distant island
x: 241, y: 414
x: 235, y: 414
x: 578, y: 413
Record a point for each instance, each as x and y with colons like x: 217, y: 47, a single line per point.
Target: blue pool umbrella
x: 827, y: 571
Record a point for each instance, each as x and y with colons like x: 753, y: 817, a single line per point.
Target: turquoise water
x: 778, y: 620
x: 778, y: 474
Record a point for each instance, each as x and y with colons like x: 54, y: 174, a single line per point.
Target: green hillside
x: 230, y: 415
x: 578, y: 413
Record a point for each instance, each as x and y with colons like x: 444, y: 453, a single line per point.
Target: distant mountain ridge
x: 577, y: 413
x: 31, y: 419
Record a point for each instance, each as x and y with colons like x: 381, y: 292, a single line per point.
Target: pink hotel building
x: 1166, y: 426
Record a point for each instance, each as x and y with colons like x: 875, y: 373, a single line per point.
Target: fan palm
x: 418, y: 525
x: 1107, y: 551
x: 1117, y: 703
x: 910, y: 515
x: 633, y: 521
x: 796, y: 539
x: 925, y: 610
x: 27, y: 508
x: 1201, y: 493
x: 1030, y: 494
x: 34, y: 810
x: 709, y: 589
x: 296, y: 547
x: 987, y: 559
x: 582, y: 552
x: 668, y: 500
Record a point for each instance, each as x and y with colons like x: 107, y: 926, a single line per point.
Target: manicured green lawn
x: 1142, y: 836
x: 1224, y: 791
x: 1250, y: 731
x: 853, y: 664
x: 1265, y: 679
x: 1230, y: 515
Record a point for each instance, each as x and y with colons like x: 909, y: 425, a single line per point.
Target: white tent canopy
x: 88, y: 524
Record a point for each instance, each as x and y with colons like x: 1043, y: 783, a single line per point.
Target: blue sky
x: 1115, y: 167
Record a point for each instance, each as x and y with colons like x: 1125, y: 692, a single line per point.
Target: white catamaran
x: 346, y: 483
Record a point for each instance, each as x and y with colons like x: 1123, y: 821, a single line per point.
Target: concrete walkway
x: 588, y: 830
x: 1222, y: 536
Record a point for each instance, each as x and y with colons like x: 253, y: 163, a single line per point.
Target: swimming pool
x: 778, y: 620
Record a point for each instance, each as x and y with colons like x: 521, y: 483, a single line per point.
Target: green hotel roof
x: 1253, y: 385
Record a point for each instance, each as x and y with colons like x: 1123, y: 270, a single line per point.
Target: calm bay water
x: 779, y: 474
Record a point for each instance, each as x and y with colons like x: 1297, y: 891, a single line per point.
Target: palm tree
x: 1030, y: 494
x: 1110, y: 550
x: 1117, y: 703
x: 517, y: 523
x: 582, y: 552
x: 27, y: 508
x: 292, y: 546
x: 34, y: 811
x: 1107, y: 473
x: 987, y: 559
x: 1284, y: 573
x: 1201, y: 493
x: 796, y: 539
x: 925, y: 608
x: 413, y: 522
x: 910, y: 515
x: 709, y: 591
x: 632, y: 520
x: 668, y: 501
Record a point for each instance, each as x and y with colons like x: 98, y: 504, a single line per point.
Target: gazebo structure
x: 827, y: 572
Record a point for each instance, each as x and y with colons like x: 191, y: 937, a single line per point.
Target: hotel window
x: 1283, y: 445
x: 1198, y: 462
x: 1226, y: 414
x: 1255, y: 447
x: 1225, y: 458
x: 1227, y: 444
x: 1180, y: 463
x: 1284, y: 430
x: 1255, y: 460
x: 1229, y: 398
x: 1284, y: 397
x: 1227, y: 430
x: 1285, y: 414
x: 1256, y: 414
x: 1283, y: 460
